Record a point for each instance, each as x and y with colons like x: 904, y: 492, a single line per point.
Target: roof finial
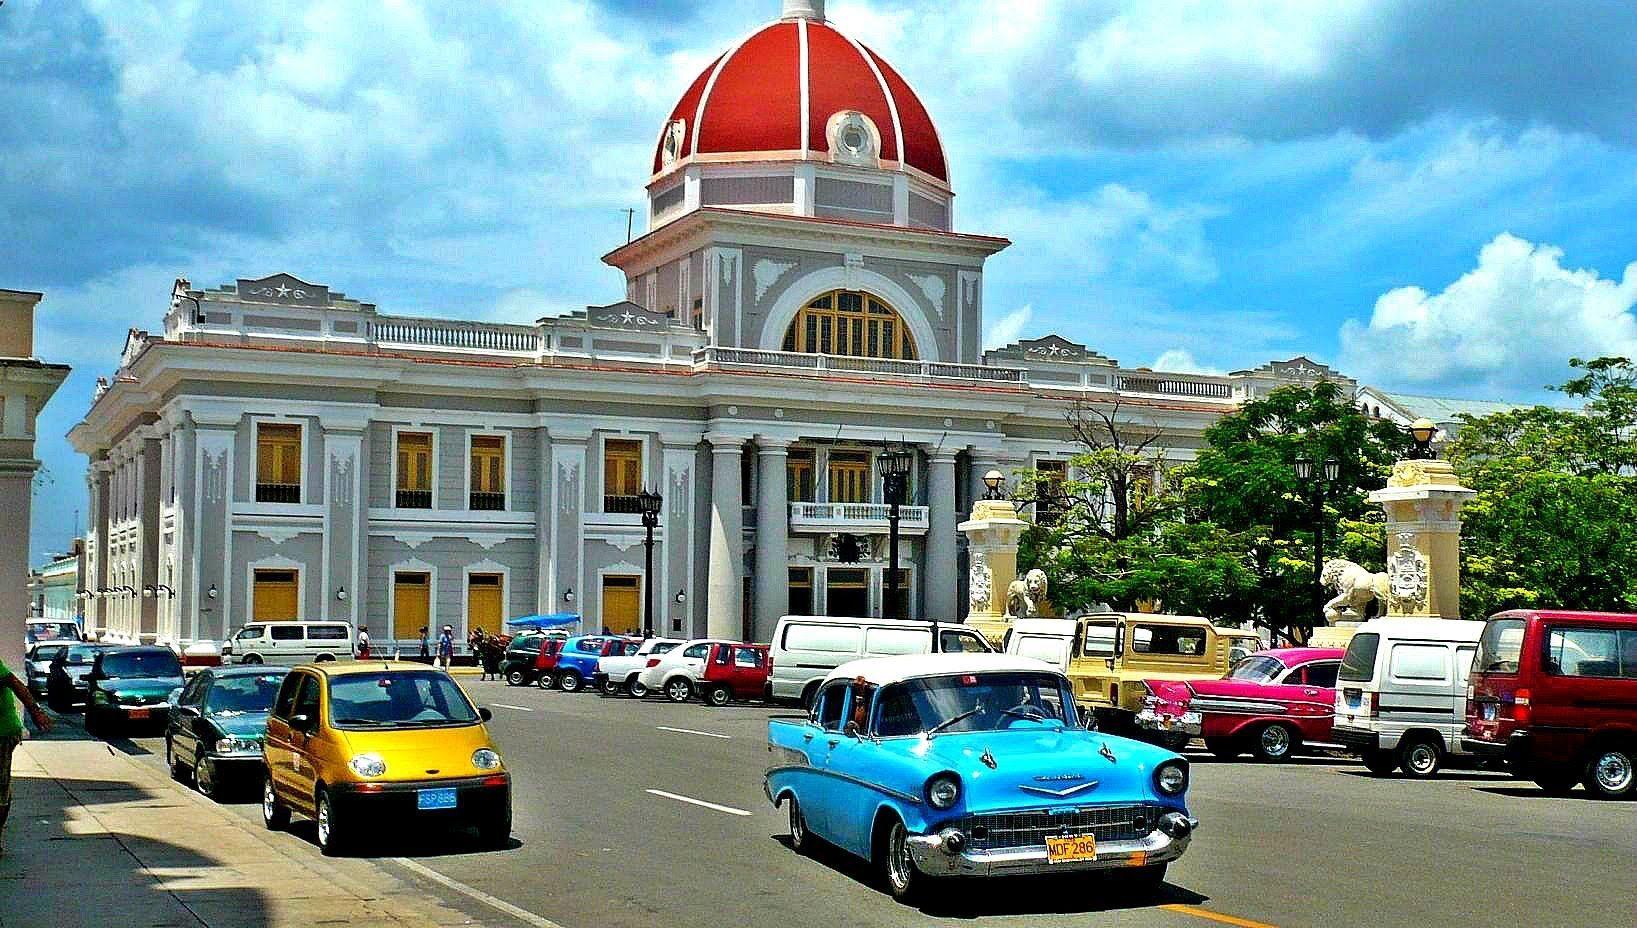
x: 804, y: 9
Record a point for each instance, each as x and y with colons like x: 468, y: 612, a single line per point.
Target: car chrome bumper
x: 1189, y: 723
x: 933, y: 858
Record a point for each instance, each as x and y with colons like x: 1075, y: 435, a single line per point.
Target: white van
x: 289, y: 643
x: 1049, y: 640
x: 1401, y: 692
x: 806, y: 647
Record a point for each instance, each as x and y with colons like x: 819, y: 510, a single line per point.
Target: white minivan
x: 1049, y: 640
x: 289, y: 643
x: 807, y: 647
x: 1401, y: 692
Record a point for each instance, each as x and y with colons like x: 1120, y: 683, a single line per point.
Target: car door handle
x: 834, y: 742
x: 807, y: 737
x: 1311, y: 692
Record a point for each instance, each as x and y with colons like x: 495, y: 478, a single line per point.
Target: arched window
x: 849, y: 322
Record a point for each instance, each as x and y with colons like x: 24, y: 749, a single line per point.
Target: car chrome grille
x: 1006, y: 830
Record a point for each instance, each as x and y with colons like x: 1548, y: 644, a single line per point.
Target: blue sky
x: 1438, y: 197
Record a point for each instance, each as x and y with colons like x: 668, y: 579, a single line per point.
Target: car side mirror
x: 484, y: 713
x: 301, y: 722
x: 851, y: 730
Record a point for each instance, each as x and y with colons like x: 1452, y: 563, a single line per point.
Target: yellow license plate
x: 1066, y: 850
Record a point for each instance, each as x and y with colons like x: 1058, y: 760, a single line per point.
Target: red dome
x: 755, y: 96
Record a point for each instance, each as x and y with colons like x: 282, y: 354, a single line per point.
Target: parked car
x: 958, y: 765
x: 618, y: 674
x: 1401, y: 692
x: 806, y: 647
x: 545, y: 663
x: 39, y: 630
x: 350, y: 741
x: 289, y: 643
x: 37, y: 664
x: 129, y: 687
x: 517, y: 664
x: 1272, y: 704
x: 213, y: 735
x: 65, y: 686
x: 733, y: 671
x: 675, y: 672
x: 1555, y: 695
x: 577, y: 661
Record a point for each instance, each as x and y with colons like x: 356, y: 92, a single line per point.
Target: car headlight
x: 1171, y: 778
x: 485, y: 759
x: 238, y: 746
x: 368, y: 765
x: 942, y: 790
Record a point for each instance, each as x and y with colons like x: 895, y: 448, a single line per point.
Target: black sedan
x: 65, y: 684
x: 214, y: 733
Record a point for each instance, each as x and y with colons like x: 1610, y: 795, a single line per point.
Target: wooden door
x: 411, y: 604
x: 273, y: 596
x: 484, y: 606
x: 622, y: 604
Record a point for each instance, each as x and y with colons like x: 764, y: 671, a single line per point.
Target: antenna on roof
x: 630, y: 217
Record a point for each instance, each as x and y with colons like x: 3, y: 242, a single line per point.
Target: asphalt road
x: 605, y: 836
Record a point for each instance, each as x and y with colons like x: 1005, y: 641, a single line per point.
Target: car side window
x: 829, y: 707
x: 697, y: 651
x: 723, y: 655
x: 1322, y: 674
x: 747, y: 657
x: 287, y: 632
x: 194, y: 693
x: 307, y: 698
x: 284, y: 705
x: 1583, y: 652
x: 961, y: 643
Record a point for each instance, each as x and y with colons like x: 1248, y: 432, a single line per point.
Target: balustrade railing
x: 757, y: 357
x: 856, y: 513
x: 1176, y: 386
x: 431, y: 333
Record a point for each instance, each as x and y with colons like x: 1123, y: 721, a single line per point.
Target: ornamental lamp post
x: 648, y: 503
x: 993, y: 480
x: 1422, y: 430
x: 895, y: 465
x: 1328, y: 471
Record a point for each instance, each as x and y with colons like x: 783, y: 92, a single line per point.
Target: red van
x: 1555, y: 694
x: 734, y: 671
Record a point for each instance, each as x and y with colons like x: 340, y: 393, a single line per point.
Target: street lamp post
x: 649, y: 503
x: 1422, y: 430
x: 895, y: 465
x: 1306, y: 471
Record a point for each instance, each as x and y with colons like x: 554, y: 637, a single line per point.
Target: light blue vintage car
x: 956, y: 765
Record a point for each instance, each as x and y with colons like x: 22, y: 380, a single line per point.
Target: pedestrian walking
x: 426, y: 646
x: 11, y: 734
x: 363, y: 642
x: 446, y: 647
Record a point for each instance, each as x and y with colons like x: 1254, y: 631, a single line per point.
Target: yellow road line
x: 1217, y: 917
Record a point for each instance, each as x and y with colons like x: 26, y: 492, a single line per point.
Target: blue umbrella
x: 553, y: 620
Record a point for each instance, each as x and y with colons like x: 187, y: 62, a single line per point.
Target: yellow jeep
x: 1113, y: 653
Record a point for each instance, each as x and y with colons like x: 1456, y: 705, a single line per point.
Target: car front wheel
x: 546, y: 681
x: 570, y: 681
x: 718, y: 695
x: 274, y: 814
x: 898, y: 867
x: 515, y: 678
x: 678, y: 689
x: 611, y: 687
x: 329, y: 834
x: 636, y: 687
x: 1612, y: 772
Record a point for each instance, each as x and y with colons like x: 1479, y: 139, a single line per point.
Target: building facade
x: 799, y: 303
x: 57, y: 588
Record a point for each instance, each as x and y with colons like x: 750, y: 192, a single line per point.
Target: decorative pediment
x: 1049, y: 348
x: 283, y: 290
x: 1299, y: 368
x: 626, y: 315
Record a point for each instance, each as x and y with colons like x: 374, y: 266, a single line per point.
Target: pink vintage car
x: 1269, y: 704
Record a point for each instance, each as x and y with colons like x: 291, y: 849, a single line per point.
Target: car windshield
x: 398, y: 699
x: 45, y: 652
x: 237, y: 695
x: 1500, y: 647
x: 53, y: 631
x: 1257, y: 670
x: 974, y: 702
x: 79, y: 655
x: 141, y: 664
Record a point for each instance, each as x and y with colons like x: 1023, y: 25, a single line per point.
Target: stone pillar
x: 992, y: 539
x: 568, y: 496
x: 213, y: 538
x: 97, y: 607
x: 1423, y: 500
x: 544, y: 583
x: 345, y: 524
x: 676, y: 568
x: 772, y: 537
x: 940, y: 583
x: 16, y: 501
x: 725, y: 593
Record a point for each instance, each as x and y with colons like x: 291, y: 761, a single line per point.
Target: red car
x: 734, y: 671
x: 1555, y: 694
x: 1270, y: 704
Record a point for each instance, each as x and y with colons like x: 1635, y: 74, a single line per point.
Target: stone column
x: 992, y: 539
x: 96, y: 608
x: 214, y: 439
x: 544, y: 583
x: 676, y: 568
x: 16, y: 499
x: 346, y: 524
x: 772, y: 537
x: 568, y: 499
x: 1423, y: 500
x: 725, y: 593
x: 940, y: 583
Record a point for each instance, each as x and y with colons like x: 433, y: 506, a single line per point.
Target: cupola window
x: 671, y: 147
x: 852, y: 323
x: 853, y: 138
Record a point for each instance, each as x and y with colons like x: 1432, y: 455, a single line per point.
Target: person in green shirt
x: 11, y: 734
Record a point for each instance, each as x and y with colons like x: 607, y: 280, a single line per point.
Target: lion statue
x: 1355, y: 589
x: 1026, y: 598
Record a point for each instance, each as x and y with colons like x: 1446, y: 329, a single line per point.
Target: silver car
x: 37, y: 664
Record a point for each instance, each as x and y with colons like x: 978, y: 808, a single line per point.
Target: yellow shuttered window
x: 488, y: 472
x: 278, y: 463
x: 414, y: 490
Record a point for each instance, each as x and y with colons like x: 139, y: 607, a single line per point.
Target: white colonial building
x: 799, y: 302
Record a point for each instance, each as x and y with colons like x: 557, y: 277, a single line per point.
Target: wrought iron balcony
x: 414, y: 499
x: 487, y: 502
x: 624, y: 505
x: 278, y: 492
x: 855, y: 517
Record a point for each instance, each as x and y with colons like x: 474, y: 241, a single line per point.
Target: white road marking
x: 697, y: 802
x: 501, y: 705
x: 690, y: 731
x: 522, y: 915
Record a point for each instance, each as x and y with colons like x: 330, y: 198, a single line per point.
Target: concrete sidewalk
x: 100, y: 838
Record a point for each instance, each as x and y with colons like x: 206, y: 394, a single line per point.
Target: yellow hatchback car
x: 348, y: 741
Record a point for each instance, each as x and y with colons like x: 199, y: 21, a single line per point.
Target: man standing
x: 11, y: 733
x: 446, y: 647
x: 426, y: 647
x: 363, y: 642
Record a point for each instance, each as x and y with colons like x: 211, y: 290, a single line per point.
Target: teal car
x: 216, y: 725
x: 129, y: 687
x: 938, y: 766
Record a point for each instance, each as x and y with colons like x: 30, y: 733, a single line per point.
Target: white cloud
x: 1182, y: 361
x: 1007, y: 328
x: 1504, y: 329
